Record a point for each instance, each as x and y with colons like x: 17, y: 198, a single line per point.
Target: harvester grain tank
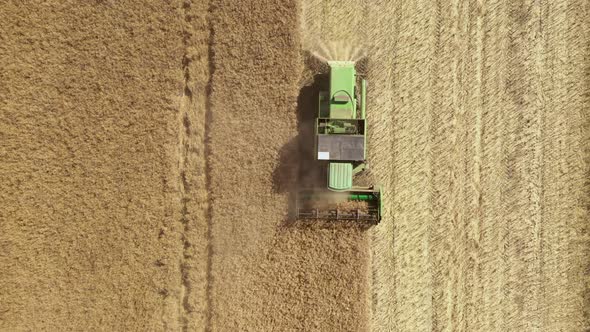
x: 341, y: 141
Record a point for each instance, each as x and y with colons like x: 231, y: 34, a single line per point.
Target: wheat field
x: 150, y: 151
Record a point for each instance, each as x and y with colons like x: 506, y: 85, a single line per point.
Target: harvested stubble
x: 478, y: 134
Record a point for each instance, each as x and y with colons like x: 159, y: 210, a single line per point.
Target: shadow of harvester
x: 298, y: 167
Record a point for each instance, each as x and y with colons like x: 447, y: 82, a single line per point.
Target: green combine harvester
x: 340, y: 136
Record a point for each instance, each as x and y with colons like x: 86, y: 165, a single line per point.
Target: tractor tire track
x: 194, y: 182
x: 450, y: 134
x: 472, y: 319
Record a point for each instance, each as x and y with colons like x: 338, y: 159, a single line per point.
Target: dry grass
x: 89, y: 207
x: 148, y: 153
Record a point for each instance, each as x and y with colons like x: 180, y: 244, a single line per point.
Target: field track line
x: 207, y: 148
x: 412, y: 168
x: 194, y: 174
x: 565, y: 245
x: 452, y: 165
x: 472, y: 223
x: 493, y: 167
x: 523, y: 155
x: 553, y: 230
x: 382, y: 51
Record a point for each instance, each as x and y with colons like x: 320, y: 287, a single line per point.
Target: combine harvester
x: 340, y: 141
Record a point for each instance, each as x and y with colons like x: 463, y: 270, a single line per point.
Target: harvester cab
x: 340, y: 137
